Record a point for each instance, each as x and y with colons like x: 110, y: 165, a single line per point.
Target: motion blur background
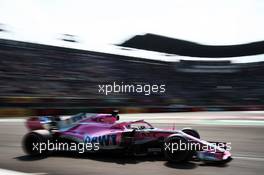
x: 53, y: 56
x: 209, y: 55
x: 46, y: 77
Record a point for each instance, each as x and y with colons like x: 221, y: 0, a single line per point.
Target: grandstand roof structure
x: 150, y: 47
x: 168, y: 45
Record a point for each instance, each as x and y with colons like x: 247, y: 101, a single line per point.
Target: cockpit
x: 139, y: 125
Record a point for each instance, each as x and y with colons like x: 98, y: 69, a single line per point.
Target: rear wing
x: 56, y: 122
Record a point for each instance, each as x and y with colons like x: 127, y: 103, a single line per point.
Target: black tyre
x: 194, y: 133
x: 179, y: 155
x: 191, y: 132
x: 32, y: 141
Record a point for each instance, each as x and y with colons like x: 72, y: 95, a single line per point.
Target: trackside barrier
x: 22, y: 112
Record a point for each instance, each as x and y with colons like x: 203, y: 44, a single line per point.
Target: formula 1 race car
x: 101, y: 132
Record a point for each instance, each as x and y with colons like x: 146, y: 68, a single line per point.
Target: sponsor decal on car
x: 104, y: 140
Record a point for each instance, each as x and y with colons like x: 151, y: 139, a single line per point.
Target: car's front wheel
x: 191, y: 132
x: 175, y: 148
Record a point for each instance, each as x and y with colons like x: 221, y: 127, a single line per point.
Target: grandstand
x: 71, y: 75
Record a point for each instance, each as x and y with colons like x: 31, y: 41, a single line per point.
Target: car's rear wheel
x: 35, y: 143
x: 174, y: 149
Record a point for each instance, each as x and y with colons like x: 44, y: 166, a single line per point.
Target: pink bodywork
x: 102, y: 126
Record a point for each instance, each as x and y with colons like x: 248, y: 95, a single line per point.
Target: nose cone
x: 227, y: 157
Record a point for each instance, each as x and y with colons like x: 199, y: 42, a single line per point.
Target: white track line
x: 11, y: 172
x: 249, y: 158
x: 12, y: 120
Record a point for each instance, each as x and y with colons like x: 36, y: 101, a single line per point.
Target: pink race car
x: 101, y: 132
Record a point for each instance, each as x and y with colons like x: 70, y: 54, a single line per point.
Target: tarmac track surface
x: 247, y: 149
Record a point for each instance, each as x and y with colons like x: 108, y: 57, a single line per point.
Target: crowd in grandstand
x: 30, y: 70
